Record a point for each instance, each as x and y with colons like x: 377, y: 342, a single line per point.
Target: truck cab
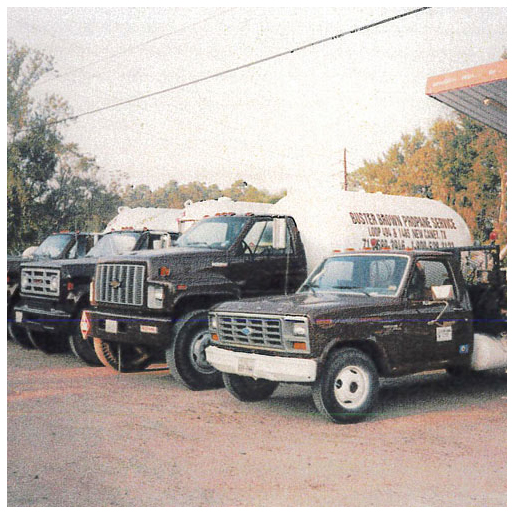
x: 53, y: 293
x: 358, y: 316
x: 62, y: 245
x: 150, y: 304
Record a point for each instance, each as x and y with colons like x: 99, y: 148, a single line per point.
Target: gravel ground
x: 81, y: 436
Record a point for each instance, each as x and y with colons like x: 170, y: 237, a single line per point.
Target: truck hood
x: 70, y: 268
x: 311, y: 305
x: 181, y: 261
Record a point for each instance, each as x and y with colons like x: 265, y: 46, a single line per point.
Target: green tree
x: 50, y: 185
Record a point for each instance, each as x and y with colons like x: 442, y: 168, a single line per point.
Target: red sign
x: 85, y: 324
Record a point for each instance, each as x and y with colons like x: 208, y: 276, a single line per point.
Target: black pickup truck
x: 62, y: 245
x: 53, y: 293
x: 148, y: 306
x: 361, y: 315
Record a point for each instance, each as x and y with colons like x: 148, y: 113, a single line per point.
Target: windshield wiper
x: 352, y: 287
x: 311, y: 287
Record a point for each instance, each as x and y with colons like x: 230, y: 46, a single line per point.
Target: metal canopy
x: 479, y: 92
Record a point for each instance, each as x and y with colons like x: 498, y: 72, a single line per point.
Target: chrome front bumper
x: 276, y: 369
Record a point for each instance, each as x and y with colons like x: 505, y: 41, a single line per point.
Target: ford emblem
x: 246, y: 331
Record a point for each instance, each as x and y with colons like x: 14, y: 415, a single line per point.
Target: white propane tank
x: 489, y: 352
x: 195, y: 211
x: 332, y: 220
x: 151, y: 218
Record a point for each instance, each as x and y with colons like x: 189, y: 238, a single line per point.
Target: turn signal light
x: 300, y: 345
x: 215, y: 337
x: 164, y: 271
x: 324, y: 323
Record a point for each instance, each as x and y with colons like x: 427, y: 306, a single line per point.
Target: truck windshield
x: 213, y: 233
x: 53, y: 246
x: 371, y: 275
x: 114, y: 243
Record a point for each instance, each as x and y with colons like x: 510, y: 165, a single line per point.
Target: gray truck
x: 61, y: 245
x: 53, y: 293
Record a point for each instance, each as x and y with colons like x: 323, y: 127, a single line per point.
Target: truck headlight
x: 54, y: 284
x: 296, y: 333
x: 155, y: 296
x: 213, y: 322
x: 24, y: 280
x: 299, y: 329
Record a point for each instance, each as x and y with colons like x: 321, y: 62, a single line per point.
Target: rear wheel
x: 83, y: 348
x: 348, y: 387
x: 124, y: 358
x: 48, y: 342
x: 186, y: 355
x: 248, y: 389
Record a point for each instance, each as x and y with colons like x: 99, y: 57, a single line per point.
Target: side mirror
x: 442, y: 293
x: 279, y: 233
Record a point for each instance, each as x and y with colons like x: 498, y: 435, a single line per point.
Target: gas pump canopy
x: 479, y: 92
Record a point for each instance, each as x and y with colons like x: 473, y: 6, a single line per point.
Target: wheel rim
x: 351, y: 387
x: 197, y: 352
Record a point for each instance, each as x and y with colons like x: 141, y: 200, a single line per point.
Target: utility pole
x: 345, y: 173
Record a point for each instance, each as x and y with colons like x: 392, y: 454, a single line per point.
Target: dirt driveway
x: 80, y: 436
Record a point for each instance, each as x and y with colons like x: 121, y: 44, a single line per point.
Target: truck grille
x: 40, y: 281
x: 120, y: 283
x: 246, y: 330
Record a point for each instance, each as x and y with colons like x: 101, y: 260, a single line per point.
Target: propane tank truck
x: 236, y: 255
x: 53, y: 293
x: 404, y: 292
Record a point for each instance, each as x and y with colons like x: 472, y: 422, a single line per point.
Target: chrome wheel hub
x: 198, y: 359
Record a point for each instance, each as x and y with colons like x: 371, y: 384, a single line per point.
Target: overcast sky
x: 285, y: 121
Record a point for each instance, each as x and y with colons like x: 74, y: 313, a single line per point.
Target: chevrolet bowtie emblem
x: 115, y: 284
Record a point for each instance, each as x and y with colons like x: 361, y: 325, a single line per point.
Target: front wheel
x: 83, y: 348
x: 248, y: 389
x: 19, y: 334
x: 348, y: 387
x: 186, y: 355
x: 123, y: 358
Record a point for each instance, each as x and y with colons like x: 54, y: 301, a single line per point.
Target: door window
x: 259, y: 240
x: 425, y: 275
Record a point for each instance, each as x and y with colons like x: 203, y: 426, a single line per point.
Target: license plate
x: 18, y: 317
x: 245, y: 366
x: 111, y: 325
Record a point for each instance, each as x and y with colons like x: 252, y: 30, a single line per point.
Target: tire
x: 83, y: 348
x: 348, y: 387
x: 186, y: 355
x: 48, y: 342
x: 133, y: 358
x: 247, y: 389
x: 18, y: 333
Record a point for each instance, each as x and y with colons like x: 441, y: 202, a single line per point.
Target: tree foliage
x: 50, y: 185
x: 461, y: 163
x: 173, y: 194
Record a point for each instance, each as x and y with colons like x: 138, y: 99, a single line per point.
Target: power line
x: 241, y: 67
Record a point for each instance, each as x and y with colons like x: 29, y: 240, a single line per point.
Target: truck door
x: 430, y: 337
x: 258, y: 267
